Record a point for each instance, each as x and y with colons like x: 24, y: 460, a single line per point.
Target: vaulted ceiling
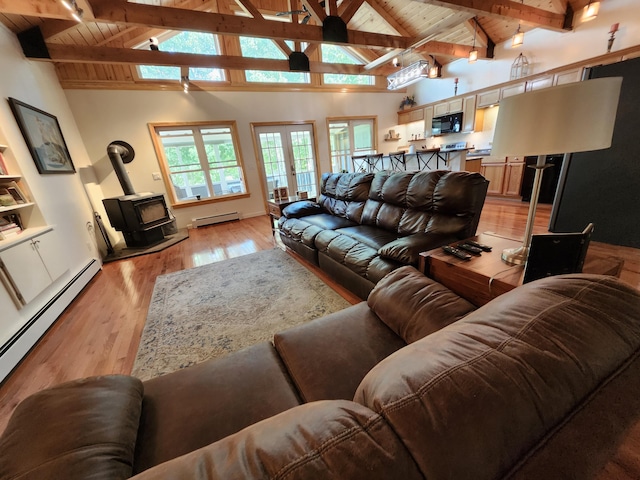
x: 100, y: 51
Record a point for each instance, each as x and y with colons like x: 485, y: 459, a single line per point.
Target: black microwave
x: 447, y: 124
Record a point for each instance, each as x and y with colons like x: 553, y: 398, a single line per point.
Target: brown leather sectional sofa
x: 365, y: 225
x: 543, y: 382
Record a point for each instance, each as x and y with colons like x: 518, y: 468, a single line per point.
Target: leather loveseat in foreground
x: 365, y: 225
x: 541, y: 383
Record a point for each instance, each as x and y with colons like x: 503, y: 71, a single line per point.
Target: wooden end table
x: 486, y: 276
x: 275, y: 208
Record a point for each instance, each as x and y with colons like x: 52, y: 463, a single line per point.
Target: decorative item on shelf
x: 528, y: 124
x: 6, y: 199
x: 612, y: 36
x: 473, y: 54
x: 276, y: 194
x: 41, y: 132
x: 455, y: 86
x: 519, y: 67
x: 407, y: 101
x: 590, y: 11
x: 303, y: 195
x: 283, y: 193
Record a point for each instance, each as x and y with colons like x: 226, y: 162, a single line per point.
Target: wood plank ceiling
x: 103, y: 50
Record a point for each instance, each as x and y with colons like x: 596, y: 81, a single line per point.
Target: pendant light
x: 473, y: 54
x: 590, y: 11
x: 518, y: 37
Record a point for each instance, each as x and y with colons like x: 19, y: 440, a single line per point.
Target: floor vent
x: 213, y: 219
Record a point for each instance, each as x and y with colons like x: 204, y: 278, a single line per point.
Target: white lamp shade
x: 576, y: 117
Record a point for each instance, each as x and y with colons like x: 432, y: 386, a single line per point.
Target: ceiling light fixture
x: 72, y: 6
x: 408, y: 75
x: 518, y: 37
x: 590, y: 11
x: 473, y: 54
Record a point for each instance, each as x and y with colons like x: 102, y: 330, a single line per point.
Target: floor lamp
x: 576, y: 117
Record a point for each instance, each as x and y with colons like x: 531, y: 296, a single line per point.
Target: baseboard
x: 21, y: 343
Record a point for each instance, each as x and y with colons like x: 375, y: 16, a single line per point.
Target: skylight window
x: 185, y: 42
x: 264, y: 48
x: 336, y: 54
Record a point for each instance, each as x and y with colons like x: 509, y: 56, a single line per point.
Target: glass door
x: 350, y: 136
x: 287, y: 156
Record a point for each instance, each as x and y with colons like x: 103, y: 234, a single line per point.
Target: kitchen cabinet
x: 469, y: 114
x: 411, y: 116
x: 513, y: 177
x: 428, y: 120
x: 445, y: 108
x: 514, y: 89
x: 504, y: 175
x: 539, y: 83
x: 570, y: 76
x: 488, y: 99
x: 31, y: 265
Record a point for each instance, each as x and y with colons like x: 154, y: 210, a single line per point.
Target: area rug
x: 210, y: 311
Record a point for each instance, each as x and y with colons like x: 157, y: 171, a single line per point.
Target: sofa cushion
x: 80, y: 429
x: 476, y: 396
x: 370, y: 236
x: 341, y: 347
x: 333, y: 439
x: 414, y: 306
x: 198, y: 405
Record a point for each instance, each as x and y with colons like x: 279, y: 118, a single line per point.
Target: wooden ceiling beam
x: 123, y: 12
x: 85, y: 54
x: 316, y: 11
x: 35, y: 8
x: 476, y: 30
x: 450, y: 49
x: 348, y: 9
x: 536, y: 17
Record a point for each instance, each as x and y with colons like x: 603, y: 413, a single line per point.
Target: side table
x: 275, y: 208
x: 486, y: 276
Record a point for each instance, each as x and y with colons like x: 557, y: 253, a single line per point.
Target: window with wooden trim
x: 253, y: 47
x: 200, y: 162
x: 336, y: 54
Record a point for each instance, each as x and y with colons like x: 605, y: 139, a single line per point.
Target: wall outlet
x: 156, y: 176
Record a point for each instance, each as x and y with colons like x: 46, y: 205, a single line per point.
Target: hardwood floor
x: 99, y: 333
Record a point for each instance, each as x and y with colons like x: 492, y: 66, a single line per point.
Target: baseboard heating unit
x: 213, y: 219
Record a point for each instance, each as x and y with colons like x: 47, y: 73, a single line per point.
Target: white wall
x: 544, y: 49
x: 104, y: 116
x: 61, y: 199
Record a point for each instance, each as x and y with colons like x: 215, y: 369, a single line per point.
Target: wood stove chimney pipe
x: 120, y: 153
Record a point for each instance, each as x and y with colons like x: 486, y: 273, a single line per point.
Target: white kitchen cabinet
x: 445, y: 108
x: 428, y: 121
x: 540, y: 83
x: 33, y: 264
x: 569, y: 76
x: 512, y: 90
x: 488, y: 98
x: 469, y: 114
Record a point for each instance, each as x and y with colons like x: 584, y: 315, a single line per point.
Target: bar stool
x: 397, y: 160
x: 424, y: 156
x: 367, y: 163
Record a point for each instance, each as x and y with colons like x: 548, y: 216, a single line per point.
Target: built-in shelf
x: 392, y: 139
x: 418, y: 140
x: 10, y: 177
x: 15, y: 207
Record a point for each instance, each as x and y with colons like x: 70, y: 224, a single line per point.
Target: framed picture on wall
x: 41, y: 132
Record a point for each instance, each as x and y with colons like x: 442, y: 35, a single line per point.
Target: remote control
x: 456, y: 253
x: 481, y: 246
x: 470, y: 248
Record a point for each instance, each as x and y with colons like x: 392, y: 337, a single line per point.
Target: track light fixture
x: 76, y: 11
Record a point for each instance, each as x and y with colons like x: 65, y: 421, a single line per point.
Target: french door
x: 287, y: 157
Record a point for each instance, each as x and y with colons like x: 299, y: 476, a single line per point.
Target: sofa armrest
x: 301, y: 209
x: 80, y: 429
x: 414, y: 306
x: 407, y: 249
